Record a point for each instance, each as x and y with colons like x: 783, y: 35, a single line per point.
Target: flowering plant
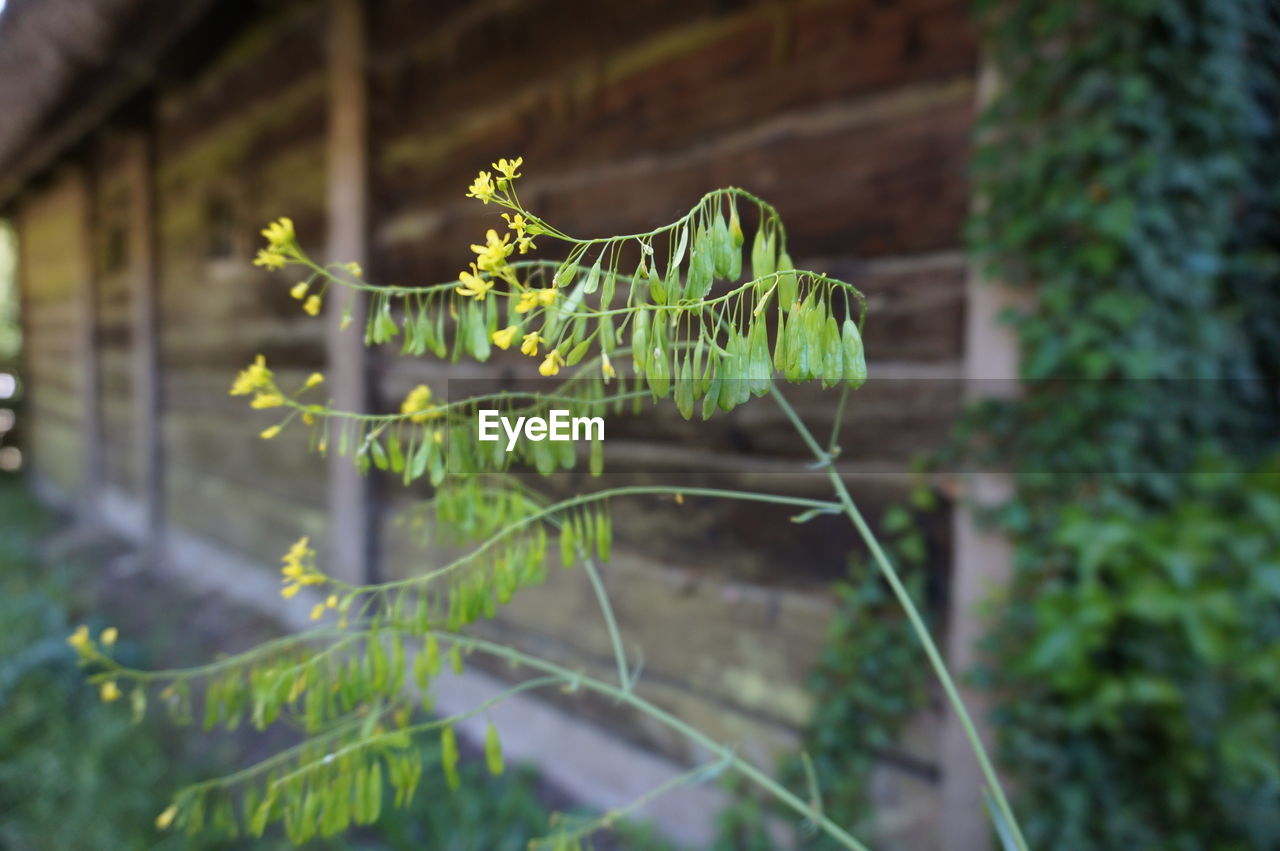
x: 666, y: 314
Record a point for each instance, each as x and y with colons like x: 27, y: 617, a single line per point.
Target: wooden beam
x: 87, y: 349
x: 353, y: 532
x: 145, y: 353
x: 982, y: 560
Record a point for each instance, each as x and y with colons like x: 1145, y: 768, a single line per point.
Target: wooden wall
x: 239, y: 145
x: 853, y: 117
x: 51, y: 230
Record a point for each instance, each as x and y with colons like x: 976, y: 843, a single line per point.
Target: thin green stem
x: 740, y: 765
x: 611, y: 623
x: 913, y: 614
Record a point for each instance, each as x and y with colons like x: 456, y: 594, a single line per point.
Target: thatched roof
x: 65, y: 65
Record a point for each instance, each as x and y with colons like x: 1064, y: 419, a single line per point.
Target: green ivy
x: 1128, y: 174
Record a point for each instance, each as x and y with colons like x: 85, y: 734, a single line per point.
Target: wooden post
x: 351, y: 517
x: 145, y: 355
x: 982, y: 560
x: 91, y: 480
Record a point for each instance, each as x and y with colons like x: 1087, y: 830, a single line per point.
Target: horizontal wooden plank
x: 243, y: 518
x: 657, y: 83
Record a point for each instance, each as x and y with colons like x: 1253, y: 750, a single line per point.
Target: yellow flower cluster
x: 83, y: 643
x: 253, y: 378
x: 419, y: 404
x: 299, y: 568
x: 282, y: 245
x: 529, y: 299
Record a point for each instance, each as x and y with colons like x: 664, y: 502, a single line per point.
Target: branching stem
x: 913, y: 614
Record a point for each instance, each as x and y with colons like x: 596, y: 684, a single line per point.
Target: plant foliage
x: 1127, y: 175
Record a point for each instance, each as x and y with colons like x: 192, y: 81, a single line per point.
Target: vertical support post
x: 982, y: 560
x: 351, y: 517
x: 87, y: 349
x: 144, y: 297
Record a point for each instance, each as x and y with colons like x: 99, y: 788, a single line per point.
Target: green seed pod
x: 681, y: 244
x: 855, y: 362
x: 658, y: 373
x: 607, y: 291
x: 833, y: 356
x: 567, y: 552
x: 762, y: 253
x: 449, y: 756
x: 723, y: 246
x: 701, y: 266
x: 593, y: 277
x: 684, y: 390
x: 576, y: 353
x: 787, y: 284
x: 640, y: 340
x: 493, y: 751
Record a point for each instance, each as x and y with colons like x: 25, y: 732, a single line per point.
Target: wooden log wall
x: 852, y: 117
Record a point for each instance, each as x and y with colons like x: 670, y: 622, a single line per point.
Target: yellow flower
x: 299, y: 290
x: 547, y: 297
x: 80, y: 639
x: 110, y: 691
x: 346, y: 320
x: 166, y: 818
x: 418, y: 404
x: 269, y: 258
x: 254, y: 377
x: 109, y: 636
x: 517, y: 223
x: 504, y: 338
x: 313, y: 379
x: 312, y: 305
x: 606, y: 367
x: 355, y: 269
x: 492, y: 256
x: 289, y: 590
x: 317, y: 611
x: 551, y: 366
x: 527, y: 301
x: 524, y: 243
x: 267, y: 400
x: 331, y: 602
x: 279, y: 234
x: 529, y: 345
x: 482, y: 188
x: 473, y: 285
x: 507, y: 168
x: 308, y: 418
x: 268, y: 433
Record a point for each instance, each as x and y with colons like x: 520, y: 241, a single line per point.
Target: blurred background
x: 1065, y: 216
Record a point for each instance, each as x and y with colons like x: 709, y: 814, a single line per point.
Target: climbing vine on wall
x: 1128, y: 176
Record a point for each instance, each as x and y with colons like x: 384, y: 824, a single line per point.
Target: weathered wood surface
x: 239, y: 144
x: 852, y: 117
x: 50, y: 230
